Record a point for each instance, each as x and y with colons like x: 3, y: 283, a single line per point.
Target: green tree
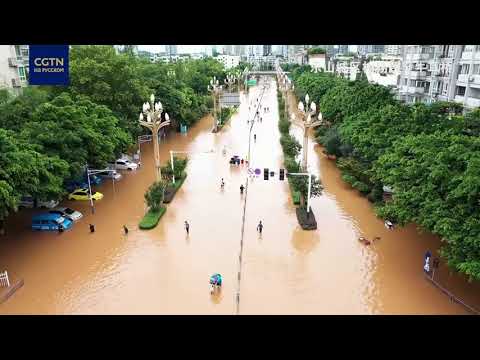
x: 155, y: 194
x: 77, y: 131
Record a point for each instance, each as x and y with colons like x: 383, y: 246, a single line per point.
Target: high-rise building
x: 228, y: 50
x: 342, y: 49
x: 239, y: 50
x: 393, y: 50
x: 267, y: 50
x: 432, y: 73
x: 370, y: 49
x: 14, y: 67
x: 171, y: 50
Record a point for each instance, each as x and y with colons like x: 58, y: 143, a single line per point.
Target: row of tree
x: 428, y: 154
x: 48, y: 134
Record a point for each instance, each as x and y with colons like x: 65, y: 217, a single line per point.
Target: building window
x: 461, y: 90
x: 21, y: 73
x: 476, y: 69
x: 465, y: 68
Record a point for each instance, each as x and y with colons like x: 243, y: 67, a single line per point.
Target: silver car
x: 29, y: 202
x: 111, y: 175
x: 68, y: 213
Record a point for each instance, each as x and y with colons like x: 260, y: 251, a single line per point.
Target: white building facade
x: 229, y: 61
x: 14, y: 67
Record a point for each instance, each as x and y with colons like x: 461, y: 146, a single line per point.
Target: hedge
x: 151, y: 219
x: 172, y: 189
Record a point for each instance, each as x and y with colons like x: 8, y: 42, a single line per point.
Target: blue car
x: 50, y: 222
x: 94, y: 180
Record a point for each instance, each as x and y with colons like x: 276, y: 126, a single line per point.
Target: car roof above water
x: 46, y: 216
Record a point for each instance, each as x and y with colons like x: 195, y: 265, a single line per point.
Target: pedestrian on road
x: 92, y: 228
x: 241, y: 189
x: 222, y: 185
x: 260, y: 227
x: 187, y: 227
x: 255, y: 137
x: 125, y: 229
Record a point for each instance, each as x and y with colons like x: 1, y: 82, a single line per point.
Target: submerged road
x: 284, y: 271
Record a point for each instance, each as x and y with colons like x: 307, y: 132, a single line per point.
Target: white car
x: 29, y: 202
x: 110, y: 175
x: 68, y: 213
x: 125, y: 164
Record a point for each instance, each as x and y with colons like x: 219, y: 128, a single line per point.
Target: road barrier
x: 4, y: 281
x: 239, y: 273
x: 451, y: 296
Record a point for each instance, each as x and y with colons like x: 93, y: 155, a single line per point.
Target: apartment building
x: 467, y: 89
x: 370, y: 49
x: 441, y: 73
x: 14, y: 67
x: 228, y: 61
x: 393, y: 50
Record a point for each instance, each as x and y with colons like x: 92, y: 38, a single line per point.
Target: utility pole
x: 307, y: 114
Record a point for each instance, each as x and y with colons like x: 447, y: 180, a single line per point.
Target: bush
x: 291, y: 165
x: 362, y: 187
x: 179, y: 166
x: 151, y: 218
x: 284, y: 126
x: 154, y: 195
x: 290, y: 145
x: 172, y: 189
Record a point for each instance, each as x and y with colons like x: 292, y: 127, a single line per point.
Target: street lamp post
x: 230, y: 80
x: 307, y: 113
x: 214, y: 88
x: 153, y: 113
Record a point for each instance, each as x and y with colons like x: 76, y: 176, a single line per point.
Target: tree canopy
x: 429, y: 154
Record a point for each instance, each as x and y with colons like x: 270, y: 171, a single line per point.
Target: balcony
x: 12, y: 62
x: 470, y: 103
x: 467, y: 55
x: 412, y: 90
x: 474, y: 80
x: 416, y: 75
x: 417, y: 56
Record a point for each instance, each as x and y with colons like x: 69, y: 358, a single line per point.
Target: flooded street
x: 285, y: 271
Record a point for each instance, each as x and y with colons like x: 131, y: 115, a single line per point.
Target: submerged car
x: 124, y: 164
x: 68, y: 213
x: 50, y: 222
x: 111, y: 175
x: 84, y: 194
x: 29, y: 202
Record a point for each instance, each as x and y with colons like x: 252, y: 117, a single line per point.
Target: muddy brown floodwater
x: 285, y: 271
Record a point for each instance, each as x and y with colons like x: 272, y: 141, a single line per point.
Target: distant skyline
x: 188, y: 49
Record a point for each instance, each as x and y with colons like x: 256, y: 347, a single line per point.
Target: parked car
x: 67, y: 213
x: 83, y: 194
x: 124, y: 164
x: 111, y: 175
x: 50, y: 222
x: 29, y: 202
x: 94, y: 180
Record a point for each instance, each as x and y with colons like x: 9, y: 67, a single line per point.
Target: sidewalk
x: 15, y: 284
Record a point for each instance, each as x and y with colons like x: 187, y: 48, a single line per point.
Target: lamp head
x: 152, y: 98
x: 140, y: 117
x: 167, y: 117
x: 300, y: 106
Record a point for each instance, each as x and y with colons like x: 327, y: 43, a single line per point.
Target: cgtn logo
x: 49, y: 65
